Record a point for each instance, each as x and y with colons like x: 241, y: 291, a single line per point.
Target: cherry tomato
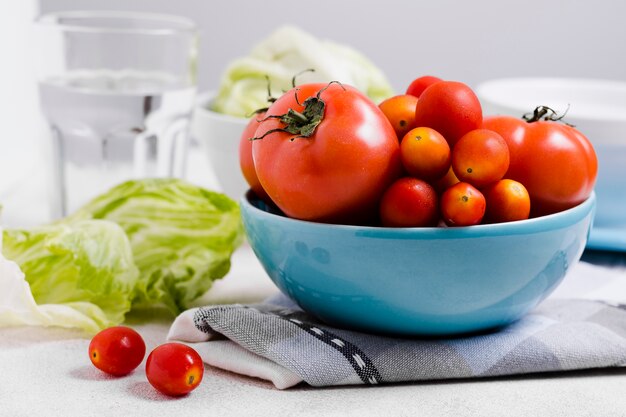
x: 174, y: 369
x: 462, y: 205
x: 400, y: 110
x: 449, y: 107
x: 117, y: 350
x: 446, y: 181
x: 409, y: 202
x: 245, y: 157
x: 480, y: 157
x: 340, y: 157
x: 417, y: 87
x: 425, y: 153
x: 555, y: 162
x: 507, y: 201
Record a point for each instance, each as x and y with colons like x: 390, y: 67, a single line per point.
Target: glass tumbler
x: 117, y: 90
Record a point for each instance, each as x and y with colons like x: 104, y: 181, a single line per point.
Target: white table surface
x: 46, y: 371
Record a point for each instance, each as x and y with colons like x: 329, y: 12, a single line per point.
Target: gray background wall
x: 470, y: 41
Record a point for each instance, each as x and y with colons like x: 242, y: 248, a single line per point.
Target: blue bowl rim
x: 545, y: 223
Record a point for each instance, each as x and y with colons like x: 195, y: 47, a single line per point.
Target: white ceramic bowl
x: 598, y: 109
x: 219, y: 136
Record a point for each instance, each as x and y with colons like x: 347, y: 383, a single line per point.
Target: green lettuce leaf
x: 182, y: 236
x: 81, y: 273
x: 285, y: 53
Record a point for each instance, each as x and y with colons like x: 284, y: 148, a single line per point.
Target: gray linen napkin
x: 277, y: 341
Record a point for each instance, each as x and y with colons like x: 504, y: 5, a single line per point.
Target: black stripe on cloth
x: 200, y: 320
x: 359, y: 361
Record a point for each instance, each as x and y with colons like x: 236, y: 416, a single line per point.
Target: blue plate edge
x: 611, y: 239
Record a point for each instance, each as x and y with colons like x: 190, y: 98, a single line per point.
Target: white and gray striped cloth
x: 278, y: 342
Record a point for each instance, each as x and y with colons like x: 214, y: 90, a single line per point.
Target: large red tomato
x: 449, y: 107
x: 326, y: 152
x: 554, y: 161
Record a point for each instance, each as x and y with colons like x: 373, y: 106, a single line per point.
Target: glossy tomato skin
x: 480, y: 157
x: 555, y: 162
x: 400, y: 111
x: 425, y: 153
x: 338, y: 174
x: 418, y: 85
x: 174, y: 369
x: 449, y: 107
x: 507, y: 201
x: 246, y: 162
x: 409, y: 202
x: 462, y: 205
x: 117, y: 350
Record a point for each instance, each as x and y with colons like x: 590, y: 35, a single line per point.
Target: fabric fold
x: 278, y: 342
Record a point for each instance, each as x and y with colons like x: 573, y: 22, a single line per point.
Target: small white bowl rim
x: 202, y: 102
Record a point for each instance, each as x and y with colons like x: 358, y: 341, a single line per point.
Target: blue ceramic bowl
x: 417, y: 281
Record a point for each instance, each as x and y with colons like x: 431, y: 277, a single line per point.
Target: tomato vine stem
x: 301, y: 124
x: 546, y: 113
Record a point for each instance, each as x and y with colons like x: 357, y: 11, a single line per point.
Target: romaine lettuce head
x: 285, y: 53
x: 182, y: 236
x: 86, y: 266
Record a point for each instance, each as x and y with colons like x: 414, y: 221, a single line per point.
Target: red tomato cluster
x: 172, y: 368
x: 326, y: 153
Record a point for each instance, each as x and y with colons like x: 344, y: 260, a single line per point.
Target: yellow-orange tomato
x: 425, y: 153
x: 507, y: 201
x: 445, y: 182
x: 462, y: 205
x: 400, y: 110
x: 480, y: 157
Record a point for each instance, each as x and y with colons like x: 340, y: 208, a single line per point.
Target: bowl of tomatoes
x: 417, y: 281
x: 417, y: 215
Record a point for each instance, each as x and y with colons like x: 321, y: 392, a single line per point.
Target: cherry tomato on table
x: 555, y: 162
x: 326, y: 152
x: 400, y: 110
x: 409, y: 202
x: 117, y: 350
x: 449, y: 107
x: 480, y: 157
x: 174, y: 369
